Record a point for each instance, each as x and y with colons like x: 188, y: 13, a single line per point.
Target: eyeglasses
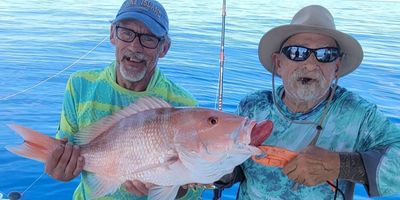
x: 300, y: 53
x: 146, y: 40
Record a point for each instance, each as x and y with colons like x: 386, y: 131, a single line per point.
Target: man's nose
x: 135, y: 44
x: 311, y: 63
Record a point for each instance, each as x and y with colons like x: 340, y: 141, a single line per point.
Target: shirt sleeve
x: 68, y: 122
x: 380, y: 150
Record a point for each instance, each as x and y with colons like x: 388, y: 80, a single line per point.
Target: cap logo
x: 147, y: 4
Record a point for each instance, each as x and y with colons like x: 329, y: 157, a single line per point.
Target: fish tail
x: 36, y: 146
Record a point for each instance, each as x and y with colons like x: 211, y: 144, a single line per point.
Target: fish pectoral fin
x: 163, y: 192
x: 101, y: 186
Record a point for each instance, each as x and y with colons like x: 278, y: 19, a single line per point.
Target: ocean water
x: 42, y: 42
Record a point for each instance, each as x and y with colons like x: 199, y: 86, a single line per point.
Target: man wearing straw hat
x: 339, y: 138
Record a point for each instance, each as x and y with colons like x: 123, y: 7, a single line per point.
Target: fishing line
x: 44, y: 81
x: 18, y: 195
x: 56, y: 74
x: 33, y: 183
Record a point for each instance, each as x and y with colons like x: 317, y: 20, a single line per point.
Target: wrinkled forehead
x: 314, y: 40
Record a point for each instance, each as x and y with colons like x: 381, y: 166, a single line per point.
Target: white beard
x: 130, y: 76
x: 305, y: 92
x: 134, y: 75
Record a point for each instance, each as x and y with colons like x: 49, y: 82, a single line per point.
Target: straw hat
x: 311, y: 19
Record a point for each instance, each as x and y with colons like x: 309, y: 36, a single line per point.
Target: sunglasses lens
x: 326, y: 55
x: 298, y: 53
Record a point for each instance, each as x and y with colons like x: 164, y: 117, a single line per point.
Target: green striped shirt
x: 92, y: 95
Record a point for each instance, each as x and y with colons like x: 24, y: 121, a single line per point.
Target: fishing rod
x: 222, y: 58
x: 218, y: 191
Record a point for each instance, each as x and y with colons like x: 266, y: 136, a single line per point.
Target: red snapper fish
x: 153, y: 142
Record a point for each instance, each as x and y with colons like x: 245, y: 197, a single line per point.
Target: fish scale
x: 140, y: 147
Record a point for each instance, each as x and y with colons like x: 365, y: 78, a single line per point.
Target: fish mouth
x: 249, y: 123
x: 260, y: 132
x: 241, y: 135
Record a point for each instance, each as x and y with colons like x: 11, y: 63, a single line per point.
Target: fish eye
x: 213, y: 120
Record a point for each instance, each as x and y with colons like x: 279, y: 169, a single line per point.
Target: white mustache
x: 299, y: 74
x: 135, y: 56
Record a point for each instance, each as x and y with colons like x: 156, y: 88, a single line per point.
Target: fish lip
x: 250, y: 123
x: 248, y: 126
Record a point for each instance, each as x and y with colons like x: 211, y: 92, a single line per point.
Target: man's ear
x: 165, y: 47
x: 112, y: 34
x: 276, y: 62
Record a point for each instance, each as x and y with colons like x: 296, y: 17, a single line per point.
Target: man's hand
x: 65, y: 162
x: 138, y: 188
x: 313, y: 166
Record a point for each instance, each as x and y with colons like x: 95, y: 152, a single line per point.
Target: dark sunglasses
x: 300, y: 53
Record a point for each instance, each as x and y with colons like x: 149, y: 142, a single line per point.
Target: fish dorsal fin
x: 101, y: 186
x: 89, y: 133
x: 163, y: 192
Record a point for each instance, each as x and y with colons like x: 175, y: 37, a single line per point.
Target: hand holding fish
x: 313, y: 166
x: 65, y: 162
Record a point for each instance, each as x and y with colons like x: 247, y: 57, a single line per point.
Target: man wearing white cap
x: 139, y: 33
x: 340, y: 138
